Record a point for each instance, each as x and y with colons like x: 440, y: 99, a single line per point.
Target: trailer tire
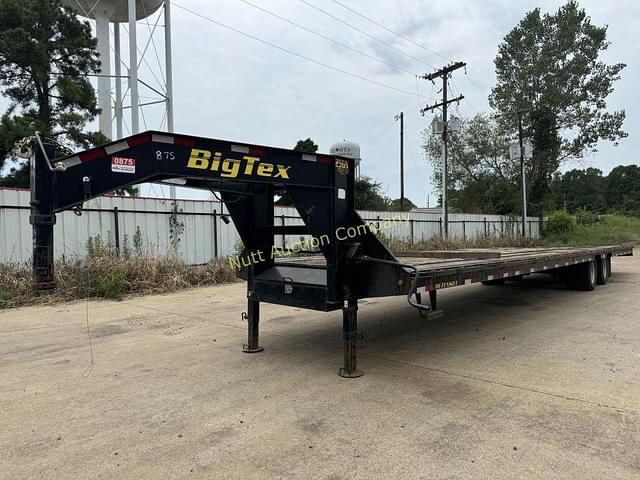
x: 603, y: 270
x: 608, y: 266
x: 587, y: 275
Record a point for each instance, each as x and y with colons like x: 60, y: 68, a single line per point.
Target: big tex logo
x: 231, y: 167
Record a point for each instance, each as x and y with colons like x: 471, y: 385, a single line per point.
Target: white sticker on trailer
x: 123, y: 165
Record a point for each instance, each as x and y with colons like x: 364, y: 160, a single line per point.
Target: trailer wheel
x: 608, y: 265
x: 603, y: 270
x: 587, y: 275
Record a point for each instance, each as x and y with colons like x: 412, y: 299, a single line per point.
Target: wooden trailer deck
x: 450, y: 268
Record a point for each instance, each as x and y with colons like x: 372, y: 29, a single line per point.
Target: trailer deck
x: 350, y: 261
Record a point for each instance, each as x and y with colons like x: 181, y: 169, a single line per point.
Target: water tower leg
x: 133, y: 67
x: 118, y: 71
x: 104, y: 80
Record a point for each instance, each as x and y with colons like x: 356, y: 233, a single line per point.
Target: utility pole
x: 444, y: 73
x: 400, y: 117
x: 522, y: 173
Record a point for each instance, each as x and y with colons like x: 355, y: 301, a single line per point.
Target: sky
x: 227, y: 85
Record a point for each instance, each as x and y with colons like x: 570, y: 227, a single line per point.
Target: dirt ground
x: 529, y: 380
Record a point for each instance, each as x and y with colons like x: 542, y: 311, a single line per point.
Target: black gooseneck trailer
x: 351, y: 263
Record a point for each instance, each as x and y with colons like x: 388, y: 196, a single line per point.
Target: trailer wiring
x: 414, y: 284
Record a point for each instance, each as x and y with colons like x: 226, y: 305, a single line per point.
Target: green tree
x: 548, y: 70
x: 368, y: 195
x: 623, y: 189
x: 395, y: 204
x: 45, y: 54
x: 580, y: 189
x: 481, y: 178
x: 306, y: 146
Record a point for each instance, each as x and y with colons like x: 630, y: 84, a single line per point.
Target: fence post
x: 486, y: 232
x: 116, y: 228
x: 464, y: 229
x: 411, y: 227
x: 440, y: 226
x: 283, y: 237
x: 215, y: 233
x: 530, y: 234
x: 501, y: 227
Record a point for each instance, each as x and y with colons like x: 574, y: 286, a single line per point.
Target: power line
x: 455, y: 87
x: 324, y: 12
x: 336, y: 42
x: 415, y: 164
x: 291, y: 52
x: 404, y: 37
x: 391, y: 31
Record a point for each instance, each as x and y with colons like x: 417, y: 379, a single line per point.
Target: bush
x: 111, y: 285
x: 561, y: 222
x: 585, y: 217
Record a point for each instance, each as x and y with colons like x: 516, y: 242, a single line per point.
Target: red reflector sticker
x: 323, y: 160
x: 123, y: 165
x: 258, y: 152
x: 91, y: 154
x: 184, y: 141
x: 139, y: 140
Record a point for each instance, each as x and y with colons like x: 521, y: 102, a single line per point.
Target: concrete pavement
x: 529, y: 380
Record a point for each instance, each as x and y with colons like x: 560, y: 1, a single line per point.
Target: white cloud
x: 230, y: 86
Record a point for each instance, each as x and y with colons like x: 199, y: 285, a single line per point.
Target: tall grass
x: 109, y: 276
x: 609, y: 230
x: 455, y: 243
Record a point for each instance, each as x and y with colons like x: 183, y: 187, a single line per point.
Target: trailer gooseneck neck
x: 351, y: 263
x: 321, y: 188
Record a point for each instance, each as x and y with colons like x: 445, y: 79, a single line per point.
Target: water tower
x: 118, y: 12
x: 349, y: 150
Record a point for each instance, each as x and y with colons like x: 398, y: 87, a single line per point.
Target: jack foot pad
x: 434, y: 314
x: 248, y: 349
x: 343, y: 372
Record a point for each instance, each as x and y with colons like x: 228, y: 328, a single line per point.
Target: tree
x: 46, y: 52
x: 306, y: 146
x: 394, y: 205
x: 580, y: 189
x: 623, y: 189
x: 548, y: 70
x: 368, y: 194
x: 481, y: 178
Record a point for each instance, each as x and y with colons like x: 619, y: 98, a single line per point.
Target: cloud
x: 229, y: 86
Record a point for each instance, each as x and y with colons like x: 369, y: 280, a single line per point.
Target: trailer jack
x: 252, y: 317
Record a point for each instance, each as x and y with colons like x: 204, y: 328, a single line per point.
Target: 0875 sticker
x: 123, y: 165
